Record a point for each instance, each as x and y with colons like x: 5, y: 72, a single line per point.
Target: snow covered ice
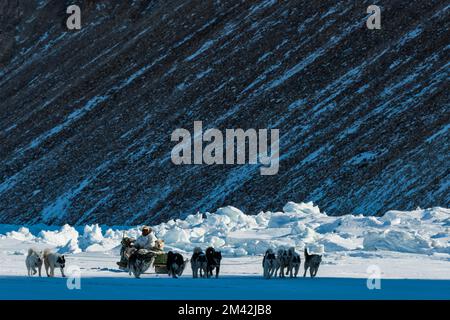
x: 404, y: 245
x: 237, y: 234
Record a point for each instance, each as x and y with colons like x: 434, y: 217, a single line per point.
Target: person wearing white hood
x: 146, y: 240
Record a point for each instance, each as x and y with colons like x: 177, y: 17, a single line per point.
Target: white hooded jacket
x: 146, y: 242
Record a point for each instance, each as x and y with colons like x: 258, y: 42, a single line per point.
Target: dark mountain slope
x: 86, y: 116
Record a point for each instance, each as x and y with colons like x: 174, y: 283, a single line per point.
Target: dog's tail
x: 47, y: 252
x: 30, y: 252
x: 306, y: 253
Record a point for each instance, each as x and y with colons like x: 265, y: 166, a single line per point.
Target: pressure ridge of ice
x: 424, y: 231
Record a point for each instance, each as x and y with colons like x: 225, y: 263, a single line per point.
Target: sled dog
x: 282, y: 262
x: 34, y: 261
x: 53, y: 260
x: 269, y: 264
x: 175, y: 264
x: 199, y: 263
x: 312, y: 261
x: 139, y: 261
x: 294, y: 262
x: 213, y: 259
x: 159, y: 244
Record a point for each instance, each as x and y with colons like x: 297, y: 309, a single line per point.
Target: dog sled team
x: 287, y: 263
x: 138, y: 255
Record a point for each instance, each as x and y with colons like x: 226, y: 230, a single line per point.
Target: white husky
x: 52, y: 261
x: 33, y: 262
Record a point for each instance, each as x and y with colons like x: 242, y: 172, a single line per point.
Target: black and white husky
x: 312, y: 261
x: 34, y: 261
x: 53, y: 260
x: 199, y: 263
x: 213, y: 259
x: 294, y: 262
x: 270, y: 264
x: 175, y: 264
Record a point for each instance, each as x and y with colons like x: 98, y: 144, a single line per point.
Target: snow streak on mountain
x: 86, y: 116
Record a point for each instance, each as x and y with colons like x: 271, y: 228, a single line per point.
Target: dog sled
x: 160, y: 263
x: 145, y: 259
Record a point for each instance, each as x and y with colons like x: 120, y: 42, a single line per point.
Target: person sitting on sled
x: 147, y: 240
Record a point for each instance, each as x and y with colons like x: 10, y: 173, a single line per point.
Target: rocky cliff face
x: 86, y: 116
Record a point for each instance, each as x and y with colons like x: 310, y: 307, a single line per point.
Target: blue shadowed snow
x: 443, y: 131
x: 262, y: 5
x: 75, y: 115
x: 203, y: 73
x: 8, y: 183
x: 208, y: 44
x: 229, y: 287
x: 58, y: 208
x: 362, y: 157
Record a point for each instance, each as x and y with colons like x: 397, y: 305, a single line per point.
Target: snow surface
x: 407, y: 247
